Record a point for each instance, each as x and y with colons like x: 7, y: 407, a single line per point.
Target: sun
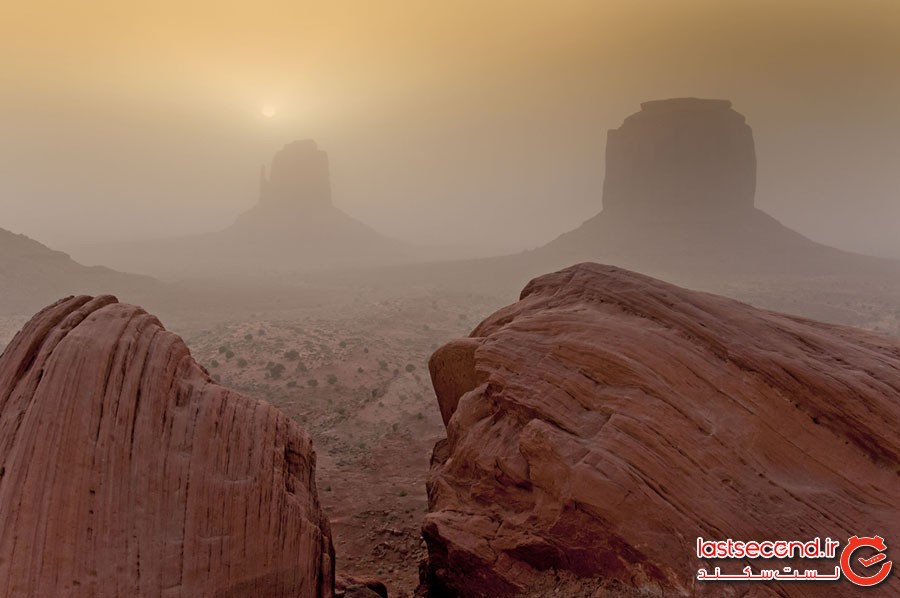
x: 268, y: 111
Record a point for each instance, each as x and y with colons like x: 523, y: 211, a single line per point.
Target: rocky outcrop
x: 683, y: 156
x: 607, y: 420
x: 125, y: 471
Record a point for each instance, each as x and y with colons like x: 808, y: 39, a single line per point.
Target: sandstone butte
x: 125, y: 471
x: 603, y: 422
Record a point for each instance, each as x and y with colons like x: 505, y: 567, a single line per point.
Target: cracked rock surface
x: 600, y: 425
x: 126, y: 471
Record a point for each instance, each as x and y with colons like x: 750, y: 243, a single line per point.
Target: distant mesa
x: 679, y: 202
x: 299, y: 176
x: 679, y: 157
x: 298, y: 186
x: 294, y: 227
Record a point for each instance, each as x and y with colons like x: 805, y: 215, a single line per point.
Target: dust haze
x: 326, y: 202
x: 476, y: 124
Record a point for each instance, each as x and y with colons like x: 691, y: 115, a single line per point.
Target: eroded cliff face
x: 125, y: 471
x: 599, y: 426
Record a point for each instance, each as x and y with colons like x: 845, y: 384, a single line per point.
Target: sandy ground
x: 354, y: 373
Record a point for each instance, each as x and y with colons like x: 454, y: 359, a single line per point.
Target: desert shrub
x: 343, y: 344
x: 242, y: 363
x: 261, y: 332
x: 332, y: 379
x: 366, y: 349
x: 292, y: 384
x: 291, y: 355
x: 229, y: 354
x: 312, y: 383
x: 275, y: 370
x: 359, y: 370
x: 410, y: 367
x: 223, y: 349
x: 217, y: 377
x: 382, y: 364
x: 248, y: 337
x: 402, y: 493
x: 301, y: 367
x: 213, y: 364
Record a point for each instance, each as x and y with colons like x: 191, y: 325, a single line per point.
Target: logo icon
x: 854, y: 544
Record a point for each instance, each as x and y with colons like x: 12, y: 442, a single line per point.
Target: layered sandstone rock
x: 599, y: 426
x: 125, y: 471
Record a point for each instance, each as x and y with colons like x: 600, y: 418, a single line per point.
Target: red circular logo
x: 855, y: 543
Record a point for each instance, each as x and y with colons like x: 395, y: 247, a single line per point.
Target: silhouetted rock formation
x: 294, y: 227
x: 601, y: 424
x: 125, y: 471
x: 680, y: 158
x: 296, y: 194
x: 678, y: 200
x: 299, y: 175
x: 33, y: 275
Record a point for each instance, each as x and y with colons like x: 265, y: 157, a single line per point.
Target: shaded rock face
x: 298, y: 177
x: 607, y: 420
x: 126, y: 471
x: 680, y: 157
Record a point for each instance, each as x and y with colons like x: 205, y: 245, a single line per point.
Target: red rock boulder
x: 599, y: 426
x: 125, y: 471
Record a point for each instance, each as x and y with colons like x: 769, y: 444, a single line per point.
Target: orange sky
x: 443, y: 119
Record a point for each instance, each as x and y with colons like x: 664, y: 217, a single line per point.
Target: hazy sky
x: 471, y: 121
